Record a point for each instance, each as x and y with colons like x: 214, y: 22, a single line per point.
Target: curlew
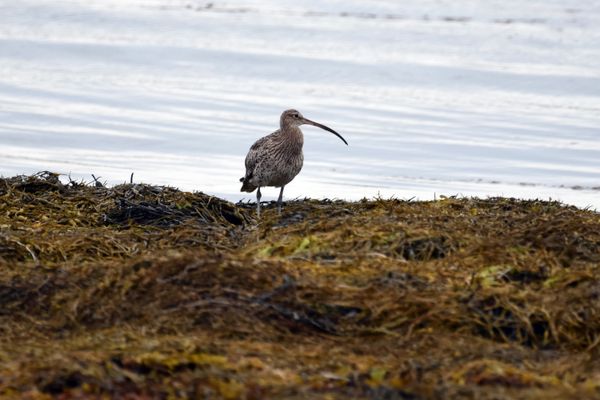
x: 276, y: 159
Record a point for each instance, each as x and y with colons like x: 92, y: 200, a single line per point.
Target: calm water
x: 434, y: 97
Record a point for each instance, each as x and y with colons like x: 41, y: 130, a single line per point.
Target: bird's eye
x: 296, y: 116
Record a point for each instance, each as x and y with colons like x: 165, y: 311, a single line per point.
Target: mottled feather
x: 274, y: 160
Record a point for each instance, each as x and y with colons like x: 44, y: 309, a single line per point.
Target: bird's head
x: 293, y: 118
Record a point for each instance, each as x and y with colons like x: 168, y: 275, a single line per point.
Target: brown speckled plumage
x: 276, y: 159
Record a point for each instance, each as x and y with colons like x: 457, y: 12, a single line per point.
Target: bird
x: 276, y: 159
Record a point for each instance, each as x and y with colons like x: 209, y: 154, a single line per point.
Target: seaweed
x: 142, y: 291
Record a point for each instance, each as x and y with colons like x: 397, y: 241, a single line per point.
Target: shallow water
x: 434, y: 97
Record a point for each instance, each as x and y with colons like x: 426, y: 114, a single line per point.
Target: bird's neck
x: 292, y: 135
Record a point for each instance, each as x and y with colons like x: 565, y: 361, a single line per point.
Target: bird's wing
x: 257, y: 151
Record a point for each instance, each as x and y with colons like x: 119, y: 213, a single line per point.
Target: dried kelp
x: 140, y: 291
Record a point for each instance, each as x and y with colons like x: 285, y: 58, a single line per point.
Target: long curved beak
x: 309, y: 122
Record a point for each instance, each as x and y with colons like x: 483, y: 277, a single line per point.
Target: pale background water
x: 434, y: 97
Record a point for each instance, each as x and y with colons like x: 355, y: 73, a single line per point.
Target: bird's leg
x: 258, y: 196
x: 279, y: 200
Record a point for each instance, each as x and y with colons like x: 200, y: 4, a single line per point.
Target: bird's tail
x: 246, y: 185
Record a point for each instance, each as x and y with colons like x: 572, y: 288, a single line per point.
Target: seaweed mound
x: 141, y: 291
